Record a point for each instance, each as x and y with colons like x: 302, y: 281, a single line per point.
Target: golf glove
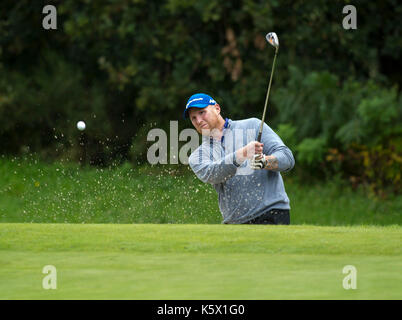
x: 258, y: 162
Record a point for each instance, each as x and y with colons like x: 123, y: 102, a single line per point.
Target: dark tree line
x: 127, y: 66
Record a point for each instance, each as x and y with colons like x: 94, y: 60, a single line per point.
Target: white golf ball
x: 81, y: 125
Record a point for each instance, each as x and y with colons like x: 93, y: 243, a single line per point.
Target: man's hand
x: 248, y: 151
x: 261, y: 161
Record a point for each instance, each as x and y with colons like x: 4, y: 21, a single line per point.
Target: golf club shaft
x: 266, y: 98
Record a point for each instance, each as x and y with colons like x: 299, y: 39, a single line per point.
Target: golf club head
x: 272, y: 38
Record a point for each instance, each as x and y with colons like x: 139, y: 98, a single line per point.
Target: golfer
x: 244, y: 172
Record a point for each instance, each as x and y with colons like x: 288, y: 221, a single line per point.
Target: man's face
x: 206, y: 119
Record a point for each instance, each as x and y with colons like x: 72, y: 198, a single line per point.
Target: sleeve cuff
x: 234, y: 160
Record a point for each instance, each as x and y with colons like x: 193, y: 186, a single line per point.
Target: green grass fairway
x: 152, y: 261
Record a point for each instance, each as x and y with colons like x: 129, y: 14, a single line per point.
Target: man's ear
x: 218, y: 108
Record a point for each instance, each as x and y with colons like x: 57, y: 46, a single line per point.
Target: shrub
x: 353, y: 130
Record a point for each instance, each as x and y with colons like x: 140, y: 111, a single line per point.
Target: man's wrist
x: 239, y: 156
x: 235, y: 160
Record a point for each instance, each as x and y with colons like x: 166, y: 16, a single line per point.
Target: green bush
x: 123, y: 66
x: 46, y: 107
x: 355, y: 127
x: 311, y: 151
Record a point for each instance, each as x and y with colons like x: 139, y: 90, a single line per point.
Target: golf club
x: 272, y: 38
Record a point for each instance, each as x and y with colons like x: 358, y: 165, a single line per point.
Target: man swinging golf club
x: 242, y: 160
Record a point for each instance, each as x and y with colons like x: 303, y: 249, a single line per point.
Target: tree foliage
x: 124, y: 65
